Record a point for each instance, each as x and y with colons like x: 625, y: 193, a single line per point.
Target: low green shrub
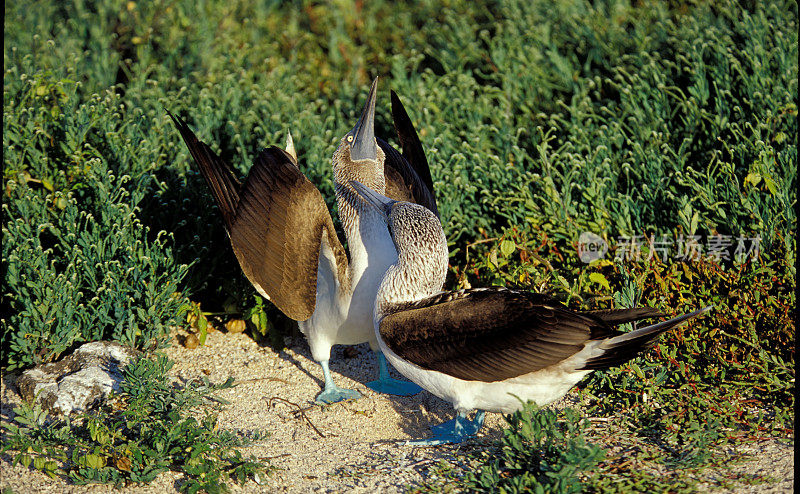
x: 79, y: 263
x: 541, y: 121
x: 538, y: 453
x: 148, y: 428
x: 73, y: 276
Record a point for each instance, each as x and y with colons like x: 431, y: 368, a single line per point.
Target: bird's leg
x: 333, y: 393
x: 470, y: 428
x: 453, y: 431
x: 388, y: 385
x: 480, y: 415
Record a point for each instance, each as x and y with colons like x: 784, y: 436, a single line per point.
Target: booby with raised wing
x: 284, y: 239
x: 486, y: 349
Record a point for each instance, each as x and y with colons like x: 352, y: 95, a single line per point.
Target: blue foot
x: 389, y: 385
x: 469, y: 427
x: 393, y: 386
x: 453, y: 431
x: 333, y: 393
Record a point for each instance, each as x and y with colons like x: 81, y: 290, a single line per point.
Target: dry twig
x: 300, y: 410
x: 276, y: 379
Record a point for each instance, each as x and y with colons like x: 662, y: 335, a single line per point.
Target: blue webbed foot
x: 333, y: 393
x: 389, y: 385
x: 453, y: 431
x: 469, y: 427
x: 393, y: 386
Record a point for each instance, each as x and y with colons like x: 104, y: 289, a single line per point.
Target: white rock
x: 78, y: 381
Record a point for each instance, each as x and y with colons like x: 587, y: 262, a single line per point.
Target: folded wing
x: 496, y: 334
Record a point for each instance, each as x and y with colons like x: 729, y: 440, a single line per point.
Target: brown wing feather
x: 409, y: 142
x: 218, y: 174
x: 622, y: 316
x: 488, y: 334
x: 277, y: 231
x: 408, y: 177
x: 275, y: 221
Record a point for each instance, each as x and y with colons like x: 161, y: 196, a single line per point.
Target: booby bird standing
x: 482, y: 348
x: 283, y: 236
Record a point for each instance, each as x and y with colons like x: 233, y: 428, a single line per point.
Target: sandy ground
x: 352, y: 446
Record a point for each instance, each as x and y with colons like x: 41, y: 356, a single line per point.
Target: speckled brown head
x: 358, y: 157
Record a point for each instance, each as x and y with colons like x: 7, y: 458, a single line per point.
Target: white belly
x: 542, y: 387
x: 345, y: 317
x: 373, y: 253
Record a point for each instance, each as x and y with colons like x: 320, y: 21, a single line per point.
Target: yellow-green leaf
x: 47, y: 184
x: 25, y: 459
x: 753, y: 178
x: 507, y: 247
x: 202, y: 335
x: 771, y: 185
x: 600, y: 280
x: 599, y: 263
x: 637, y: 370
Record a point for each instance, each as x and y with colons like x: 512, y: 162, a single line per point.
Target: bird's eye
x: 349, y: 138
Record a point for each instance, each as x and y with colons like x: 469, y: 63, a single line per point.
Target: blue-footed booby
x: 284, y: 239
x: 486, y: 349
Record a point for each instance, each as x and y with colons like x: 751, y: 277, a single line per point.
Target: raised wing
x: 275, y: 221
x: 218, y: 174
x: 408, y: 177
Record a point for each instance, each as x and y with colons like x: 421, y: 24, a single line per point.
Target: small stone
x: 79, y: 381
x: 191, y: 341
x: 235, y: 326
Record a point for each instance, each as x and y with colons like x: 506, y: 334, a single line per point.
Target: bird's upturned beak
x: 378, y: 201
x: 363, y: 145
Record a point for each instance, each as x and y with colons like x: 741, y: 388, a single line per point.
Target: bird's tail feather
x: 622, y: 316
x: 623, y: 347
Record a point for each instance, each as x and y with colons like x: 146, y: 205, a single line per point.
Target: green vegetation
x: 537, y: 450
x: 141, y: 432
x: 671, y: 120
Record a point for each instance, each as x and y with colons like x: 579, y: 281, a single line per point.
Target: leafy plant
x: 538, y: 453
x: 541, y: 121
x: 148, y: 428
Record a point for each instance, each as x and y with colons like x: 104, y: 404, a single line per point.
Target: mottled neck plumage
x: 421, y: 266
x: 369, y: 173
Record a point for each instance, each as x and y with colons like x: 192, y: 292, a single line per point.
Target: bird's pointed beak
x: 379, y: 202
x: 363, y: 145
